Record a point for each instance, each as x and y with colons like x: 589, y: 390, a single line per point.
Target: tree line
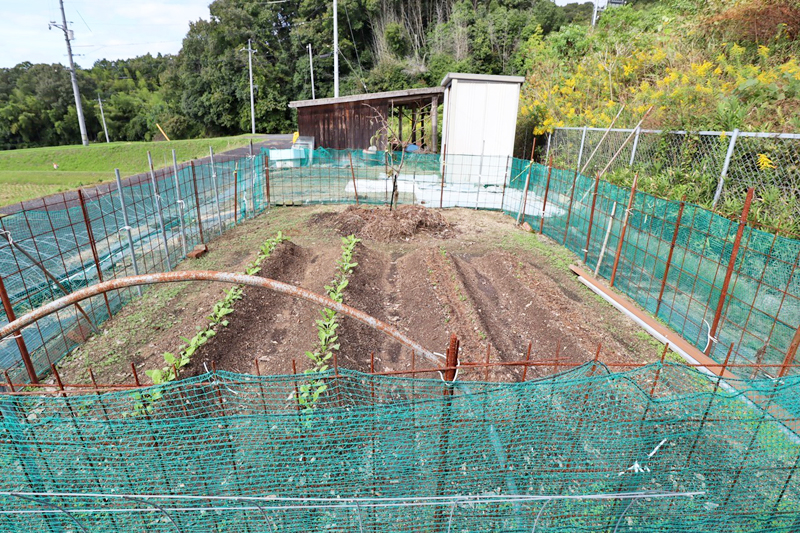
x: 203, y: 90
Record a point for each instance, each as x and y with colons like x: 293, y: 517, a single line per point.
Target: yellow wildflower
x: 763, y: 51
x: 764, y: 162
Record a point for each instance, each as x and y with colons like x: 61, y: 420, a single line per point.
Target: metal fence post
x: 591, y: 218
x: 547, y: 150
x: 216, y: 189
x: 180, y: 202
x: 235, y: 193
x: 725, y: 167
x: 127, y: 227
x: 669, y: 256
x: 635, y: 145
x: 524, y: 198
x: 731, y: 264
x: 791, y: 352
x: 505, y: 182
x: 197, y: 203
x: 546, y: 192
x: 574, y: 183
x: 93, y: 246
x: 23, y: 348
x: 266, y: 172
x: 353, y: 173
x: 159, y: 214
x: 624, y: 229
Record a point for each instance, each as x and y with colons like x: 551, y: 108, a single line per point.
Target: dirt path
x: 486, y: 281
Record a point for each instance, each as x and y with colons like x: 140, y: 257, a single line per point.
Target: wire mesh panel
x: 673, y: 260
x: 660, y: 448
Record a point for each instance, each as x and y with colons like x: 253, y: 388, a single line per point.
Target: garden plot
x: 478, y: 276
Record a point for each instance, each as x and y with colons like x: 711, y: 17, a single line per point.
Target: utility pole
x: 335, y: 50
x: 311, y: 63
x: 68, y: 35
x: 250, y: 52
x: 103, y: 116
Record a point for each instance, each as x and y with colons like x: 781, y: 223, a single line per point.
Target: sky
x: 104, y: 29
x: 111, y: 29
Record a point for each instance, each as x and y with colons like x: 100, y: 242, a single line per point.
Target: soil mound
x: 381, y: 224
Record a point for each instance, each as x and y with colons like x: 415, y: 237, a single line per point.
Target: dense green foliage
x: 203, y: 90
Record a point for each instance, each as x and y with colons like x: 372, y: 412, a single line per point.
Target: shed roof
x: 402, y: 96
x: 448, y: 79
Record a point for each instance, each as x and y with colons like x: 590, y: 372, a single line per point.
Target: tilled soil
x: 497, y: 288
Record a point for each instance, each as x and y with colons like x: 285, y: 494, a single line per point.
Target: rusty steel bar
x: 624, y: 229
x: 48, y: 274
x: 790, y: 354
x: 197, y: 203
x: 505, y: 180
x: 527, y: 359
x: 93, y: 246
x: 223, y: 277
x: 488, y: 354
x: 546, y: 192
x: 729, y: 272
x: 451, y: 359
x: 21, y: 346
x: 353, y: 173
x: 591, y: 219
x: 669, y: 256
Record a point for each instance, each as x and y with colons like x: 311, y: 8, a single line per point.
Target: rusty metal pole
x: 527, y: 359
x: 671, y: 250
x: 624, y: 229
x: 546, y: 192
x: 93, y: 246
x: 451, y: 359
x: 353, y: 173
x: 23, y: 348
x: 197, y: 203
x: 791, y: 353
x: 591, y: 218
x: 731, y: 264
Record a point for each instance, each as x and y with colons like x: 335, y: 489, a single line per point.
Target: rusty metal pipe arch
x: 222, y: 277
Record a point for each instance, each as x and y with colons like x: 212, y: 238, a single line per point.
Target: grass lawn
x: 29, y: 173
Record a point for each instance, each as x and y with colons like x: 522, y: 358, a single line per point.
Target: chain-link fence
x: 711, y: 168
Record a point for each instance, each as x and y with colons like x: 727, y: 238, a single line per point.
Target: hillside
x: 29, y: 173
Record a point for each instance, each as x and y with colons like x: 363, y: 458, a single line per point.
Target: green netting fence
x: 659, y: 448
x: 680, y: 284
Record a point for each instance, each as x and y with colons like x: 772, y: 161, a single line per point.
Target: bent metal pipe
x: 223, y: 277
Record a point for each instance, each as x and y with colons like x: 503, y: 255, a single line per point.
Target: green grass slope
x: 29, y: 173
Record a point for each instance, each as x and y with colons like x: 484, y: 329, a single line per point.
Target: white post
x: 180, y: 202
x: 605, y: 240
x: 127, y: 227
x: 580, y: 152
x: 725, y: 166
x: 311, y: 67
x: 594, y: 13
x: 635, y: 145
x: 216, y: 189
x: 159, y: 214
x: 103, y: 116
x: 335, y: 50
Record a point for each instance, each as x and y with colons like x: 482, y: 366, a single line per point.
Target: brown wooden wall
x: 341, y: 126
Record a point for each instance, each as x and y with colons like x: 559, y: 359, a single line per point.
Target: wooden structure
x: 353, y: 121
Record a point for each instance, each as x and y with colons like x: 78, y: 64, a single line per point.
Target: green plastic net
x: 660, y: 448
